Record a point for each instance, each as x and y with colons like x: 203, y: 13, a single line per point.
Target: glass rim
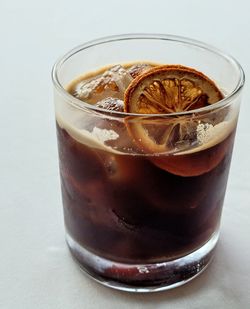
x: 79, y: 104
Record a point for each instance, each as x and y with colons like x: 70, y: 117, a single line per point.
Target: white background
x: 36, y: 270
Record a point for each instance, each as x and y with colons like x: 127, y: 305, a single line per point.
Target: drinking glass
x: 139, y: 217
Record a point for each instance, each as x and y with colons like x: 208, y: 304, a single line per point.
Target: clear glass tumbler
x: 143, y: 220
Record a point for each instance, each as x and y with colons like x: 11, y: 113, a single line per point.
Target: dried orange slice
x: 164, y: 90
x: 168, y: 89
x: 159, y: 135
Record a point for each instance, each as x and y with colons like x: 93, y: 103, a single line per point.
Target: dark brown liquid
x: 128, y: 209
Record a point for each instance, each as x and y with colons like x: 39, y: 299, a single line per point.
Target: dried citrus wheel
x: 165, y: 90
x: 159, y: 135
x: 168, y: 89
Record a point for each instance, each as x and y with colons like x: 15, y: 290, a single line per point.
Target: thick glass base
x: 143, y: 277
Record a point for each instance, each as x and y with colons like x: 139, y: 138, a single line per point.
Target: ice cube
x: 138, y: 69
x: 124, y: 143
x: 112, y: 83
x: 111, y: 104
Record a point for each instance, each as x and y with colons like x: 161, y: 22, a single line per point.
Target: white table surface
x: 36, y: 270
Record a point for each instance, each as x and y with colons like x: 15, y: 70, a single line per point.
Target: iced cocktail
x: 145, y: 140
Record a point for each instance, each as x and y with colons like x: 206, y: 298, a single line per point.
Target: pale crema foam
x: 71, y: 119
x: 94, y: 139
x: 207, y: 134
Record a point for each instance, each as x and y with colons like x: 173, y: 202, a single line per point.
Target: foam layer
x: 207, y: 135
x: 94, y: 139
x: 72, y: 120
